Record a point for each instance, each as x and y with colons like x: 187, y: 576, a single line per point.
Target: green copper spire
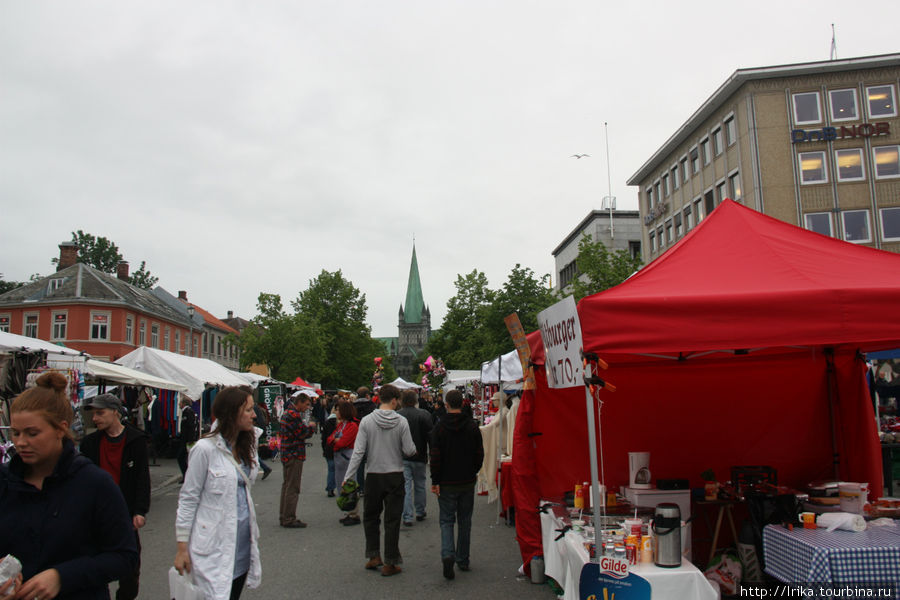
x: 415, y: 303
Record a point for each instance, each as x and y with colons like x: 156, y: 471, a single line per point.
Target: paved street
x: 326, y: 559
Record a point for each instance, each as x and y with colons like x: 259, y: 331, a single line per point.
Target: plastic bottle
x: 579, y: 496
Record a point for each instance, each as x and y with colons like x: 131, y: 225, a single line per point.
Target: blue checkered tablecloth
x: 838, y: 557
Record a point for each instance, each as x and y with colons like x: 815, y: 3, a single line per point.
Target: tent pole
x: 595, y: 484
x: 831, y: 381
x: 500, y: 437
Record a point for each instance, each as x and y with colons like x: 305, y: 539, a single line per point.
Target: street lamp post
x: 190, y: 311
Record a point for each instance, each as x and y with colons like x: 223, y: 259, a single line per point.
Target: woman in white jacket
x: 215, y: 526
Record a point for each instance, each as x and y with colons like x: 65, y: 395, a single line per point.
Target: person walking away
x: 121, y: 450
x: 456, y: 456
x: 294, y: 433
x: 261, y: 420
x: 414, y: 468
x: 328, y: 428
x: 341, y: 442
x: 216, y: 533
x: 364, y: 407
x: 385, y: 436
x: 62, y: 516
x: 188, y: 433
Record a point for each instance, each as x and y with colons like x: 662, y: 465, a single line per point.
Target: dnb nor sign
x: 561, y: 334
x: 844, y: 132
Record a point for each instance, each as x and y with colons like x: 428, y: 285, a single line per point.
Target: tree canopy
x: 103, y: 254
x: 601, y: 268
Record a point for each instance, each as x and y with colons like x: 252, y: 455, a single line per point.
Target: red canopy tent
x: 739, y: 346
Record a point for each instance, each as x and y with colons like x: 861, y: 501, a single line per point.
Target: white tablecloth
x: 564, y: 558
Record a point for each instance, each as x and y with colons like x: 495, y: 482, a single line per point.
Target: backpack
x: 349, y: 496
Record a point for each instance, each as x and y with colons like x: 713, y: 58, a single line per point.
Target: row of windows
x: 842, y: 105
x: 568, y: 273
x: 855, y: 225
x: 713, y: 145
x: 850, y: 164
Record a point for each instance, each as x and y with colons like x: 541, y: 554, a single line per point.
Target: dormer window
x: 56, y: 284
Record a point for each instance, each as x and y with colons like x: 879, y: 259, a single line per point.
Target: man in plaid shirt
x: 294, y: 433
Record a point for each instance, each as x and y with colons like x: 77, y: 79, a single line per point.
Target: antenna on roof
x: 833, y: 44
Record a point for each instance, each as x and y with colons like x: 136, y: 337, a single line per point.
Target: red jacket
x: 344, y: 436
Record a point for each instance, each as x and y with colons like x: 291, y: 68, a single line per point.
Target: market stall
x: 739, y: 346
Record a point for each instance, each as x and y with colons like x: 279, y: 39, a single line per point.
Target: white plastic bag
x: 181, y: 587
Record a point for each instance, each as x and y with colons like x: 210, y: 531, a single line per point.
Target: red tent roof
x: 742, y: 279
x: 300, y: 383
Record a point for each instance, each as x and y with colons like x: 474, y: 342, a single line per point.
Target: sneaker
x: 408, y: 523
x: 330, y: 493
x: 266, y: 474
x: 463, y: 567
x: 294, y: 525
x: 421, y: 517
x: 448, y: 567
x: 388, y: 570
x: 374, y: 563
x: 347, y: 521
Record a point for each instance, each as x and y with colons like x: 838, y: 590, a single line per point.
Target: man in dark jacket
x: 456, y: 456
x: 414, y: 467
x: 261, y: 420
x: 121, y: 450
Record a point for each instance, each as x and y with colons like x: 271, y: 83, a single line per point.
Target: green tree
x: 290, y: 345
x: 603, y: 269
x: 462, y: 339
x: 523, y: 293
x: 339, y: 310
x: 6, y: 286
x: 103, y: 254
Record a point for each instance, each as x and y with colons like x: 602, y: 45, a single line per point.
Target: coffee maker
x: 639, y: 470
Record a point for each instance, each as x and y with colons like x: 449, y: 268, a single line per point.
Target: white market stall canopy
x: 193, y: 373
x: 510, y: 369
x: 124, y: 375
x: 254, y: 379
x: 457, y: 377
x: 402, y: 384
x: 57, y: 356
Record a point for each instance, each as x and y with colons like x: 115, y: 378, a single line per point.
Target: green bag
x: 349, y: 496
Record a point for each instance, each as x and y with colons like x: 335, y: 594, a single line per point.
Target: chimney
x: 182, y: 295
x: 230, y: 314
x: 68, y: 255
x: 122, y: 270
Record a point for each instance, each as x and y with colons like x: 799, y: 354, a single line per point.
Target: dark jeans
x: 262, y: 465
x: 237, y: 586
x: 130, y: 584
x: 456, y: 507
x: 384, y: 491
x: 329, y: 479
x: 182, y: 456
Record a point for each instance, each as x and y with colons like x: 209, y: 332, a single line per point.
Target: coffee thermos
x: 667, y: 535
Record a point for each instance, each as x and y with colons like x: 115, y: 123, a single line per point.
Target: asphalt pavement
x: 325, y: 560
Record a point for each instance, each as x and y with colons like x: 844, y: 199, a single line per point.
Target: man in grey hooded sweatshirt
x: 385, y: 436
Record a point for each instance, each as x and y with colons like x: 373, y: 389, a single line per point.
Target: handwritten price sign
x: 561, y: 334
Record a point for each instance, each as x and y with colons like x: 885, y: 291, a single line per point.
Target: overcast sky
x: 241, y: 147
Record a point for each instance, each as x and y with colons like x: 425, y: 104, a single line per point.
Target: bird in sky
x: 579, y: 155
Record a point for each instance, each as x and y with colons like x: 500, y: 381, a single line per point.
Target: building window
x: 685, y: 174
x: 129, y: 330
x: 205, y: 346
x: 31, y: 325
x: 634, y: 249
x: 100, y: 326
x: 218, y: 345
x: 843, y: 105
x: 55, y: 284
x: 678, y: 228
x: 880, y: 99
x: 849, y: 164
x: 695, y: 161
x: 734, y: 186
x: 669, y: 238
x: 718, y: 147
x: 166, y: 339
x: 660, y: 238
x: 704, y: 150
x: 887, y: 161
x: 730, y: 131
x: 665, y: 186
x: 812, y: 168
x: 688, y: 218
x: 709, y: 200
x: 59, y: 326
x: 142, y: 334
x: 807, y: 108
x: 568, y: 273
x: 698, y: 210
x: 819, y: 222
x: 721, y: 192
x: 154, y: 336
x: 656, y: 193
x: 856, y: 226
x: 675, y: 183
x: 652, y: 242
x: 890, y: 225
x: 4, y: 323
x: 649, y: 198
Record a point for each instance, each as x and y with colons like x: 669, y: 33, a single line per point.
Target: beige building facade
x: 813, y: 144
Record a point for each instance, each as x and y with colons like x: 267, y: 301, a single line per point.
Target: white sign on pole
x: 561, y: 334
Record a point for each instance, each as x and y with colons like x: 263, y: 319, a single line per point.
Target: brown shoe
x: 388, y: 570
x: 374, y: 563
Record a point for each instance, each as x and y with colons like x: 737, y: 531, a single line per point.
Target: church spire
x: 415, y: 303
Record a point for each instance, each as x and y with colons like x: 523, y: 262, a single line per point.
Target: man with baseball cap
x: 121, y: 450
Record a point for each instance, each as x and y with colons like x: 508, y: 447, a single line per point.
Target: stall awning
x: 123, y: 375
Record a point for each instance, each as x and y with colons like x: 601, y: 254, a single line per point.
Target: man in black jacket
x: 121, y: 450
x: 456, y: 456
x: 414, y: 468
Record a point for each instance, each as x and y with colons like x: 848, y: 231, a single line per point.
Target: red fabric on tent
x: 794, y: 300
x: 525, y: 483
x: 300, y: 383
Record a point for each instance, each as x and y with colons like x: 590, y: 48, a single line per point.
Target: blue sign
x: 595, y: 584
